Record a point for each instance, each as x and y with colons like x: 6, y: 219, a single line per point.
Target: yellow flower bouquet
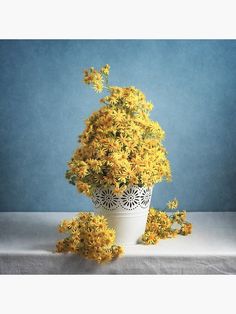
x: 120, y: 156
x: 120, y: 146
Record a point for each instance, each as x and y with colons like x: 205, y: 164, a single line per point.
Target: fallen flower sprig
x: 160, y: 225
x: 90, y: 237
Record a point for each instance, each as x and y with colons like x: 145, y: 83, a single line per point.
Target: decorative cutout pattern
x: 146, y: 195
x: 96, y: 198
x: 108, y: 199
x: 130, y: 199
x: 133, y: 198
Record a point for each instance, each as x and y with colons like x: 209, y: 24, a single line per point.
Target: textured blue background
x: 44, y: 104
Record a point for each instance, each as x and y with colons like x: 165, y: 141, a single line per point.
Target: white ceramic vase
x: 126, y: 213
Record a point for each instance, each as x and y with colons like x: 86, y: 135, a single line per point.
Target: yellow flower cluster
x: 95, y: 78
x: 90, y: 237
x: 120, y: 145
x: 173, y: 204
x: 160, y: 225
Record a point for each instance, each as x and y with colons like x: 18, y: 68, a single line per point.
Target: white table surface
x: 27, y: 246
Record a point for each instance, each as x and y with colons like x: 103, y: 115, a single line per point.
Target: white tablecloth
x: 27, y: 243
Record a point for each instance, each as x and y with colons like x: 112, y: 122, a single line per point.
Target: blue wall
x: 43, y: 105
